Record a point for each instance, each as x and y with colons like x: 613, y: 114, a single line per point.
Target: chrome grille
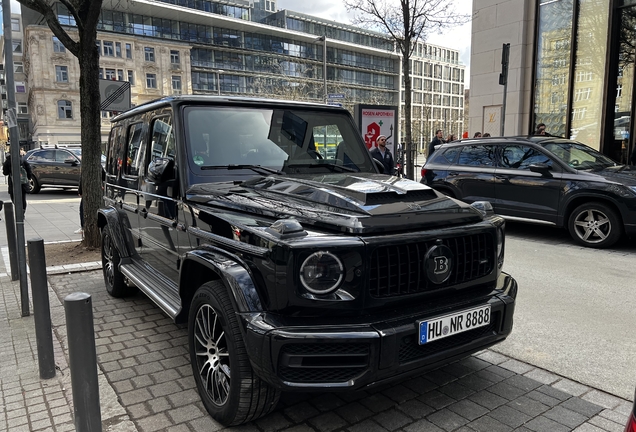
x: 399, y: 269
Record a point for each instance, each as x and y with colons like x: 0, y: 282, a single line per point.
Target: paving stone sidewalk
x: 146, y: 383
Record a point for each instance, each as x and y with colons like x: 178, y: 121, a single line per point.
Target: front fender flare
x: 230, y: 269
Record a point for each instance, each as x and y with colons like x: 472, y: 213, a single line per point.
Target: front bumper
x: 361, y: 355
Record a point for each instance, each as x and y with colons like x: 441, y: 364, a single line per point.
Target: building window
x: 117, y: 49
x: 619, y: 91
x: 120, y: 75
x: 584, y: 76
x: 579, y: 113
x: 176, y: 84
x: 17, y: 46
x: 151, y: 81
x: 61, y: 74
x: 174, y: 57
x: 58, y: 46
x: 20, y: 87
x: 149, y: 54
x: 128, y: 51
x: 131, y: 77
x: 110, y: 74
x: 18, y: 67
x: 15, y: 25
x: 98, y: 44
x: 23, y: 108
x: 582, y: 94
x: 64, y: 109
x: 109, y: 51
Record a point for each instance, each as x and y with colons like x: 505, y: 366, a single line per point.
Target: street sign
x: 114, y: 95
x: 334, y: 104
x: 335, y: 96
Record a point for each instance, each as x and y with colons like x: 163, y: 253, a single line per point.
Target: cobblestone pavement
x: 146, y: 383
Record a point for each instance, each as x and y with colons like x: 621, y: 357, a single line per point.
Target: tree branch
x: 47, y: 11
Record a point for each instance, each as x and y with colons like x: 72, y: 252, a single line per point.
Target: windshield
x: 578, y: 156
x: 294, y: 141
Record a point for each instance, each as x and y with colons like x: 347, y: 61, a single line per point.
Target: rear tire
x: 33, y: 186
x: 229, y: 389
x: 595, y: 225
x: 113, y: 278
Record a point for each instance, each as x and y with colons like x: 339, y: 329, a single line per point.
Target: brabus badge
x: 438, y: 263
x: 414, y: 206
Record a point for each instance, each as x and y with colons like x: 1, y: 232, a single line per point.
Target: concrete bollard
x: 41, y: 308
x: 83, y: 362
x: 11, y: 239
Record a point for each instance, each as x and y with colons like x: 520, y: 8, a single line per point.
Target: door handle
x: 453, y: 173
x: 144, y: 212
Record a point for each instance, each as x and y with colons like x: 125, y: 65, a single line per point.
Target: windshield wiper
x: 256, y: 168
x: 333, y: 167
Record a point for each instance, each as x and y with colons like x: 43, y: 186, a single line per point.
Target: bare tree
x: 406, y: 22
x: 86, y: 15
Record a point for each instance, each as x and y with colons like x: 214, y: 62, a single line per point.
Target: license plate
x: 448, y: 325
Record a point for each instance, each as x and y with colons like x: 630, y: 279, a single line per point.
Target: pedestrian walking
x: 383, y: 154
x: 25, y: 176
x: 437, y: 140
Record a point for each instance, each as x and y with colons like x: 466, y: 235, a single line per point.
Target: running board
x: 163, y: 292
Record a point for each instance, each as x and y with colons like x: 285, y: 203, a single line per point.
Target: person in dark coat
x: 437, y: 140
x: 6, y: 170
x: 383, y: 154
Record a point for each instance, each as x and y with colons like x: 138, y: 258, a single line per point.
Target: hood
x: 622, y: 174
x: 360, y: 203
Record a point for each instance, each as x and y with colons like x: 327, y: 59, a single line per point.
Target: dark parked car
x: 58, y: 167
x: 294, y: 270
x: 55, y: 167
x: 541, y: 179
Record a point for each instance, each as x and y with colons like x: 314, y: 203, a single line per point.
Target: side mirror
x: 160, y: 170
x: 541, y: 168
x: 378, y: 165
x: 71, y: 161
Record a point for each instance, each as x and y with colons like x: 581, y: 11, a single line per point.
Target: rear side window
x: 521, y: 157
x: 134, y: 151
x: 477, y: 155
x: 115, y: 154
x: 449, y: 155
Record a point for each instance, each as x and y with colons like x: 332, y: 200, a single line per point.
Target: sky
x: 456, y: 38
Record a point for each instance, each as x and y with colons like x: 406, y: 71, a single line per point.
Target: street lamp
x: 323, y: 39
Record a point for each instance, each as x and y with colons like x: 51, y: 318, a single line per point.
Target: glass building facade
x: 585, y: 54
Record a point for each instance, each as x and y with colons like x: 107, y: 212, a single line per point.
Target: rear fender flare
x: 119, y: 226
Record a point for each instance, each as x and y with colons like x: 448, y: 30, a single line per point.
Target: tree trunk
x: 91, y: 138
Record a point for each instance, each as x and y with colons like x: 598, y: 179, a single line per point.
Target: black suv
x: 295, y: 268
x: 541, y: 179
x: 54, y: 167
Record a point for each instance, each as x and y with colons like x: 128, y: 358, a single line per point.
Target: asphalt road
x: 575, y: 307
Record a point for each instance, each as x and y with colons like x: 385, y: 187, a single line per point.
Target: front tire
x: 595, y: 225
x: 230, y: 390
x: 113, y: 278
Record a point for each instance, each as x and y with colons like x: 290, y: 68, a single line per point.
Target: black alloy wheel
x: 33, y: 186
x: 113, y: 277
x: 230, y: 390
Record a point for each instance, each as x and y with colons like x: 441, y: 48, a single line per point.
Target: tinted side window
x: 62, y: 155
x: 43, y: 155
x: 115, y: 151
x: 134, y: 152
x: 477, y: 155
x: 450, y: 154
x: 162, y: 142
x: 521, y: 157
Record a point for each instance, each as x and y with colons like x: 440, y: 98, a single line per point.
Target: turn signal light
x: 631, y: 424
x: 423, y: 172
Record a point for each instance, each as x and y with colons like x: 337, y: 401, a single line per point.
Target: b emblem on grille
x: 438, y: 263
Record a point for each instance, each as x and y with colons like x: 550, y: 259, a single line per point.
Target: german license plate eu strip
x: 448, y: 325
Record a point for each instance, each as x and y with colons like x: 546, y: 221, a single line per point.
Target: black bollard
x: 83, y: 362
x: 11, y: 239
x: 41, y: 308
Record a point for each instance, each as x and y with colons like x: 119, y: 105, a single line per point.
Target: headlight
x: 500, y: 244
x: 321, y: 273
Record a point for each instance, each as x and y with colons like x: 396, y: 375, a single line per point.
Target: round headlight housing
x: 321, y: 273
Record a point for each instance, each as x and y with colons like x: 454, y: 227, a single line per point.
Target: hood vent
x: 390, y: 197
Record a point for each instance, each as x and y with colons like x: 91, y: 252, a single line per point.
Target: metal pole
x: 13, y: 253
x: 83, y: 362
x: 15, y: 156
x: 41, y: 308
x: 324, y: 65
